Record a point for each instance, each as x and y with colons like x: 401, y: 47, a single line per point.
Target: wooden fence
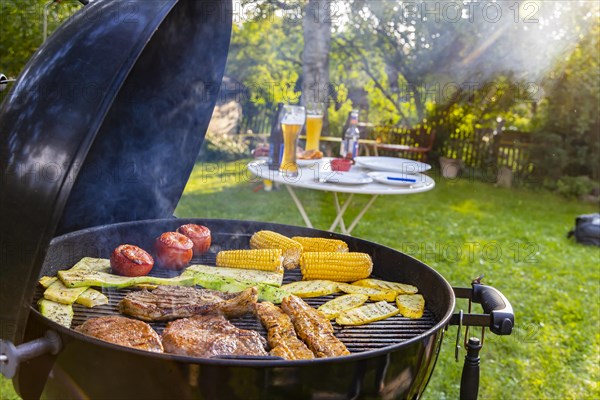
x: 485, y: 148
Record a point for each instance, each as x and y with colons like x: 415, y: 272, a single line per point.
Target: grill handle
x: 499, y: 315
x: 11, y: 356
x: 494, y: 303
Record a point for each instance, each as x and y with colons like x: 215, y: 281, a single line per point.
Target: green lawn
x: 464, y: 228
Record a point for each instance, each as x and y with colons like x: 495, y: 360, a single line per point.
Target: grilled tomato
x: 199, y: 235
x: 129, y: 260
x: 173, y: 250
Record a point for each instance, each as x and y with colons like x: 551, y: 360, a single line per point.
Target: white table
x: 313, y: 176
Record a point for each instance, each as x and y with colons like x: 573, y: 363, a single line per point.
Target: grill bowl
x: 392, y: 358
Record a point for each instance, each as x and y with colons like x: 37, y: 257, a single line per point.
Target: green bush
x: 575, y: 186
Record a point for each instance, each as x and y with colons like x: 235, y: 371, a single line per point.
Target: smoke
x: 468, y: 44
x: 525, y: 39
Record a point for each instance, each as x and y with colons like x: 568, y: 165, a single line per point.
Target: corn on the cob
x: 335, y: 266
x: 259, y: 259
x: 321, y: 244
x: 291, y: 250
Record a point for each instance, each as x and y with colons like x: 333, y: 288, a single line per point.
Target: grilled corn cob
x: 335, y: 266
x: 321, y: 244
x: 260, y: 259
x: 291, y: 250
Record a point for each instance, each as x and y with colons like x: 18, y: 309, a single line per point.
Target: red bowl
x: 341, y: 164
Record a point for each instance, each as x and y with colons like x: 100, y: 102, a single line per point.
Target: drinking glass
x: 292, y: 122
x: 314, y: 125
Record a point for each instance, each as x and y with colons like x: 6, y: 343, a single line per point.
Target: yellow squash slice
x: 368, y: 313
x: 314, y: 288
x: 334, y: 307
x: 400, y: 288
x: 374, y: 294
x: 411, y: 305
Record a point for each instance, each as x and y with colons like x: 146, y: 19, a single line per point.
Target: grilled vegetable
x: 249, y: 275
x: 173, y: 250
x: 199, y: 235
x: 93, y: 264
x: 400, y: 288
x: 258, y: 259
x: 334, y: 307
x: 81, y: 277
x: 291, y: 250
x: 59, y: 293
x: 367, y: 313
x: 46, y: 281
x: 130, y: 260
x: 311, y: 288
x: 60, y: 313
x: 310, y: 244
x: 91, y: 298
x: 374, y: 294
x: 335, y: 266
x: 411, y: 305
x: 231, y: 285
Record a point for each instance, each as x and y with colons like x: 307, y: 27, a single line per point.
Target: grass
x: 463, y: 228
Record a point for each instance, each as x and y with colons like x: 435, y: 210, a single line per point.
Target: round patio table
x: 319, y: 176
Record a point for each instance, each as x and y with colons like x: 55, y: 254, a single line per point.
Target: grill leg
x: 469, y: 382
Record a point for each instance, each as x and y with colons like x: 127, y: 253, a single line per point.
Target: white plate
x: 308, y: 163
x: 396, y: 179
x: 392, y: 164
x: 347, y: 178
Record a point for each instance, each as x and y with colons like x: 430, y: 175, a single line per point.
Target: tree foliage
x: 457, y: 66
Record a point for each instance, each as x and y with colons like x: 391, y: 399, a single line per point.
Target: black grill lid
x: 104, y: 125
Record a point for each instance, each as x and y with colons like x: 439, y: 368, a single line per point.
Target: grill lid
x: 104, y: 125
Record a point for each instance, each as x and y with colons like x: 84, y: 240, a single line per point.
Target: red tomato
x: 199, y: 235
x: 129, y: 260
x: 173, y: 250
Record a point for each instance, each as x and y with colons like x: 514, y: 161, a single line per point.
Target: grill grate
x: 357, y: 339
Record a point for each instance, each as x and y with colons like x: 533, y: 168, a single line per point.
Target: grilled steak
x: 171, y: 302
x: 211, y: 335
x: 124, y: 331
x: 281, y: 334
x: 313, y: 328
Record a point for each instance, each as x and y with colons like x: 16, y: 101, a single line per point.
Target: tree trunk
x: 315, y: 57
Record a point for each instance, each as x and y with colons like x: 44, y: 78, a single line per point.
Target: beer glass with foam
x: 291, y: 124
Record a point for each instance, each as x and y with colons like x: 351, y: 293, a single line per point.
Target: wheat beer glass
x: 292, y: 122
x: 314, y: 125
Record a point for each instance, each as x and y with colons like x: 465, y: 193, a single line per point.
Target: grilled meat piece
x: 313, y: 328
x: 211, y: 335
x: 281, y: 334
x: 171, y: 302
x: 124, y: 331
